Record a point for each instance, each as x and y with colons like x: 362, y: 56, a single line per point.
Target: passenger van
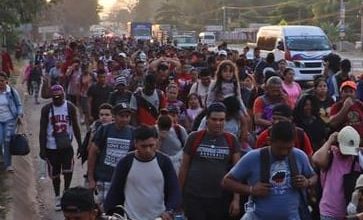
x: 208, y: 38
x: 303, y: 47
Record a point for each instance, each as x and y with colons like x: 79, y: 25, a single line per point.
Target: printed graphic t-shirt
x: 283, y: 200
x: 114, y: 144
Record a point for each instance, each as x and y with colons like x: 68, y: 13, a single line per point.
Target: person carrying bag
x: 19, y: 144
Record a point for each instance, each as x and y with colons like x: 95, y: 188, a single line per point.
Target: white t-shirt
x: 153, y: 99
x: 144, y: 190
x: 61, y: 118
x: 200, y: 89
x: 5, y: 113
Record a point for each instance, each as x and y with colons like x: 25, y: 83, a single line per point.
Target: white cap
x: 142, y: 57
x: 222, y: 52
x: 349, y: 140
x: 122, y: 55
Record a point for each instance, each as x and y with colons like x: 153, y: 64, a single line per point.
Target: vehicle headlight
x: 291, y: 64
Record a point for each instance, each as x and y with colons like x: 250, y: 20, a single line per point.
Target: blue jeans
x: 322, y: 217
x: 7, y: 129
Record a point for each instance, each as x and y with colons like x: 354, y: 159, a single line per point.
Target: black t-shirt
x: 210, y: 163
x: 36, y: 74
x: 114, y: 143
x: 99, y: 96
x: 316, y: 129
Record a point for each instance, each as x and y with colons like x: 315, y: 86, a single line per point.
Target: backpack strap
x: 160, y: 96
x: 292, y: 163
x: 141, y: 102
x: 265, y: 165
x: 301, y: 138
x: 197, y: 141
x: 229, y: 139
x: 178, y: 132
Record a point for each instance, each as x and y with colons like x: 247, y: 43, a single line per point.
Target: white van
x: 208, y: 38
x: 303, y: 47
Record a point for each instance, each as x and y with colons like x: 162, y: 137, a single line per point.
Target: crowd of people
x: 204, y: 134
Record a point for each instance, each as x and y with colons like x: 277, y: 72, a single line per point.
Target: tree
x: 169, y: 13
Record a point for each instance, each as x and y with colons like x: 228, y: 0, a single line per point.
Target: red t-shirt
x: 305, y: 145
x: 354, y: 117
x: 144, y: 114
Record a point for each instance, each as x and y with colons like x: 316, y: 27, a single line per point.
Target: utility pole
x: 342, y: 24
x: 224, y: 18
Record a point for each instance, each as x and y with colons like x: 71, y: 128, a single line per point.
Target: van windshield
x: 208, y: 37
x: 185, y: 40
x: 307, y: 43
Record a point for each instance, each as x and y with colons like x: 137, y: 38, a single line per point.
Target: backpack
x: 304, y: 211
x: 178, y: 131
x: 199, y: 138
x: 147, y: 105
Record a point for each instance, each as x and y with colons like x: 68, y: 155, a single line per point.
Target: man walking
x: 111, y: 143
x: 145, y: 181
x: 208, y: 155
x: 273, y: 177
x: 58, y: 125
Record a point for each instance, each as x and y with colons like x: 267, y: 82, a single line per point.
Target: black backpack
x: 265, y: 178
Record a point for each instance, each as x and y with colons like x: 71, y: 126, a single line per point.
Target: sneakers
x: 10, y: 169
x: 58, y: 203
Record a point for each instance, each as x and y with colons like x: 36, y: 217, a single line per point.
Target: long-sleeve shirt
x: 116, y: 194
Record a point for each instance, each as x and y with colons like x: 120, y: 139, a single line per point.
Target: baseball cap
x: 57, y: 90
x: 142, y: 57
x: 349, y: 140
x: 122, y: 55
x: 350, y: 84
x: 120, y: 80
x: 121, y: 107
x: 222, y: 53
x: 77, y: 199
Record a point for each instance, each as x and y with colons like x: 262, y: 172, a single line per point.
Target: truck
x: 207, y: 38
x: 185, y: 40
x: 161, y: 32
x: 139, y: 30
x: 302, y: 46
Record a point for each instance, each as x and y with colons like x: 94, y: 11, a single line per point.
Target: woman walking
x: 11, y: 111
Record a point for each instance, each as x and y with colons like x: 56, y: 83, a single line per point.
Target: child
x: 226, y: 84
x: 172, y: 92
x: 193, y: 109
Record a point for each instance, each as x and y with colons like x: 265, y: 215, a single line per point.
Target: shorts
x: 59, y: 161
x: 102, y: 189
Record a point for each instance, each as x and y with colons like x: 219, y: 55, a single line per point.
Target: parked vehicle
x: 208, y: 38
x: 139, y: 30
x: 303, y: 47
x: 185, y: 41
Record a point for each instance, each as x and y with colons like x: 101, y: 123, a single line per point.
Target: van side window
x: 266, y: 41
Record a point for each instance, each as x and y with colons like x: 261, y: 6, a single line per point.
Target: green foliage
x: 197, y: 13
x: 330, y: 30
